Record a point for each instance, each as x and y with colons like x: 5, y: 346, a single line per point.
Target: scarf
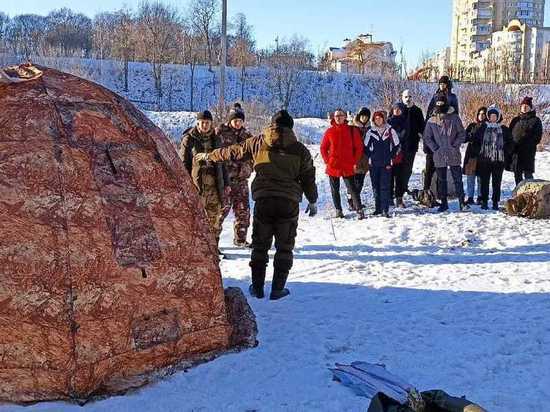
x: 492, y: 148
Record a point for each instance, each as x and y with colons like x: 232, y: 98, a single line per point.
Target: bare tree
x: 159, y: 26
x: 242, y: 48
x: 124, y: 44
x: 4, y: 23
x: 190, y: 54
x: 203, y: 15
x: 69, y: 33
x: 102, y: 34
x: 25, y: 35
x: 286, y: 63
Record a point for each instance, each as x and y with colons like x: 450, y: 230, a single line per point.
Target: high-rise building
x: 474, y: 22
x: 540, y: 56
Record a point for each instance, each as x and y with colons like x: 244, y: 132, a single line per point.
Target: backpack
x: 424, y: 197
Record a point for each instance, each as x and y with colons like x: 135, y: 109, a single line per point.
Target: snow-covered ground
x: 457, y: 301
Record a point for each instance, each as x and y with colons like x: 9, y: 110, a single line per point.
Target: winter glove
x: 311, y: 209
x: 201, y: 157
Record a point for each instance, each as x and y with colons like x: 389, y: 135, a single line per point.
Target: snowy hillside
x: 316, y: 93
x: 458, y: 301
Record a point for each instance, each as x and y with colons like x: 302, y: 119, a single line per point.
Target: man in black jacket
x: 527, y: 133
x: 446, y: 88
x: 415, y: 128
x: 284, y: 172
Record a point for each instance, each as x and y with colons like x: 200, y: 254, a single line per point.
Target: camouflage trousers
x: 238, y: 200
x: 213, y: 207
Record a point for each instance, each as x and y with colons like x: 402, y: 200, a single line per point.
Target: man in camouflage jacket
x: 233, y: 132
x: 209, y: 178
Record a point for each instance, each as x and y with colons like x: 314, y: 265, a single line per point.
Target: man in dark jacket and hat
x: 415, y: 128
x: 210, y: 179
x: 284, y: 172
x: 231, y: 133
x: 527, y: 133
x: 444, y: 89
x: 398, y: 120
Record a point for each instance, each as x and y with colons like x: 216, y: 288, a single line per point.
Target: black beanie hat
x: 363, y: 111
x: 204, y: 115
x: 444, y: 79
x: 237, y: 106
x: 236, y: 114
x: 282, y: 119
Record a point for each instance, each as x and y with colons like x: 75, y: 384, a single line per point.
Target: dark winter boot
x: 470, y: 201
x: 256, y: 289
x: 386, y: 214
x: 479, y: 200
x: 400, y: 203
x: 444, y: 205
x: 360, y: 214
x: 256, y: 293
x: 339, y: 214
x: 462, y: 205
x: 278, y: 289
x: 484, y: 205
x: 495, y: 205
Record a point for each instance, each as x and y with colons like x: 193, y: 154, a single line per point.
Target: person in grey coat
x: 444, y: 134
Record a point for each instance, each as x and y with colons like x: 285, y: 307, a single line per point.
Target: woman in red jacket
x: 341, y: 148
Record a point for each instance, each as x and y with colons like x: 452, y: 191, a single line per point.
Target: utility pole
x: 224, y: 54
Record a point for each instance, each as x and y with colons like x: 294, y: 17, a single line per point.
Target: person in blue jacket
x: 381, y: 146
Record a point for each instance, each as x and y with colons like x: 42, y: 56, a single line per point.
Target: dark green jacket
x: 283, y: 165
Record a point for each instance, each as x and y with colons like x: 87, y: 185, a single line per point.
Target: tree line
x: 156, y: 33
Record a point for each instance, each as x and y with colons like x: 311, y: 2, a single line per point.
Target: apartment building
x: 475, y: 23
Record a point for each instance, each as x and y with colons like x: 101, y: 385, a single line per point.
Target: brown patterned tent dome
x: 108, y: 271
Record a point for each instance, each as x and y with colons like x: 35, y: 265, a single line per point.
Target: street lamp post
x: 224, y: 53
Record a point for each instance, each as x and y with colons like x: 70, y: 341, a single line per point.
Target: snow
x: 456, y: 301
x: 315, y: 94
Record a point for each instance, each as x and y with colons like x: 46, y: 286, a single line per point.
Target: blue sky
x: 415, y: 24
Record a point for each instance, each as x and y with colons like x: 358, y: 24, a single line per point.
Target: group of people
x: 221, y: 160
x: 386, y: 146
